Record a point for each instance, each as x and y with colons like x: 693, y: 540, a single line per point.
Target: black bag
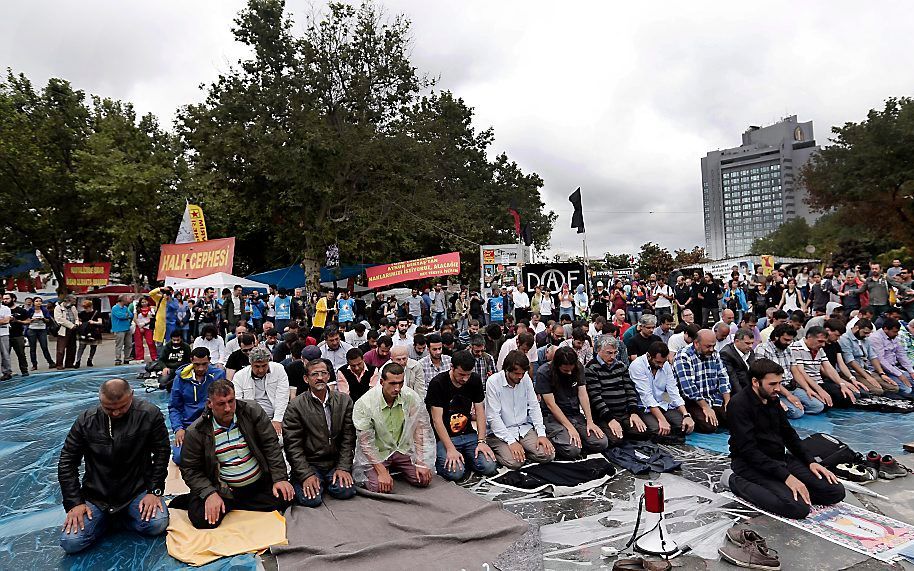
x: 828, y: 450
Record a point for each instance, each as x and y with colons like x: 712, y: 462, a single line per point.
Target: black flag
x: 527, y: 235
x: 577, y: 219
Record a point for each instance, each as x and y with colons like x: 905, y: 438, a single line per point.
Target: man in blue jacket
x: 188, y: 395
x: 121, y: 316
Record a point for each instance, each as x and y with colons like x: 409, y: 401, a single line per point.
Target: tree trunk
x: 131, y: 263
x: 312, y: 267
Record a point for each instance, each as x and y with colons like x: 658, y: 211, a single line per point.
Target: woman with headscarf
x: 581, y: 302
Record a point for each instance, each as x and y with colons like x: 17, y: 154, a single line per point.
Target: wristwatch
x: 687, y: 415
x: 156, y: 492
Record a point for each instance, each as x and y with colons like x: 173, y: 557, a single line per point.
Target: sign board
x: 607, y: 276
x: 551, y: 276
x: 196, y: 259
x: 721, y: 269
x: 432, y: 266
x: 80, y: 277
x: 767, y: 265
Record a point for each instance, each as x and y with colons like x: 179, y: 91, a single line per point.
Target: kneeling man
x: 125, y: 446
x: 232, y: 460
x: 779, y: 482
x: 392, y: 431
x: 319, y: 439
x: 514, y: 416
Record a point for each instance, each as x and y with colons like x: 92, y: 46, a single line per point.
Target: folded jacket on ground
x: 578, y: 475
x: 240, y: 532
x: 642, y: 457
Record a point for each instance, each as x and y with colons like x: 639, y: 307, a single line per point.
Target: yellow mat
x: 174, y: 484
x: 240, y: 532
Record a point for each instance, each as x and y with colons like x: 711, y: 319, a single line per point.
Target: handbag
x: 828, y: 450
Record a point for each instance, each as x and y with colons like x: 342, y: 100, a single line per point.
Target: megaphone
x: 656, y: 540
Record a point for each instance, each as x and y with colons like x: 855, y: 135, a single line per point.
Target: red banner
x: 196, y: 259
x: 433, y: 266
x: 80, y: 277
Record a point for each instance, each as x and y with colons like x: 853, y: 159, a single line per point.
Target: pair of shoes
x: 748, y: 549
x: 855, y: 472
x: 886, y: 466
x: 640, y: 563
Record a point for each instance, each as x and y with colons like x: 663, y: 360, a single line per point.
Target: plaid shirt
x: 430, y: 370
x: 701, y: 378
x: 783, y: 358
x: 485, y: 367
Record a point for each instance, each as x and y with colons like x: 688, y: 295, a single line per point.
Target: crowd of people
x: 444, y: 383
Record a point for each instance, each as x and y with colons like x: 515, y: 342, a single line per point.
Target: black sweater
x: 759, y: 434
x: 610, y: 390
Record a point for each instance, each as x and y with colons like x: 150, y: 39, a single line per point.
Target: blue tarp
x: 293, y: 276
x: 36, y: 413
x: 22, y: 262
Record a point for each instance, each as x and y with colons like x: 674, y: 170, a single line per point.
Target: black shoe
x: 25, y: 373
x: 76, y: 365
x: 889, y: 469
x: 89, y: 363
x: 6, y: 377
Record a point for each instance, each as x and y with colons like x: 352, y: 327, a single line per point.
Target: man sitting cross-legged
x: 392, y: 431
x: 514, y: 416
x: 124, y: 443
x: 783, y: 483
x: 319, y: 439
x: 232, y: 460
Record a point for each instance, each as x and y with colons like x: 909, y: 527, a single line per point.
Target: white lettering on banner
x: 553, y: 280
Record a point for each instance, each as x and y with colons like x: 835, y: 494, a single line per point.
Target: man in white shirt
x: 663, y: 298
x: 402, y: 336
x: 521, y: 304
x: 536, y: 324
x: 681, y: 340
x: 523, y: 342
x: 516, y: 430
x: 664, y: 413
x: 358, y: 335
x: 6, y: 366
x: 334, y: 349
x: 265, y: 383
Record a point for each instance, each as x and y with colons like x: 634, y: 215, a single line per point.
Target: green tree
x: 617, y: 261
x: 329, y: 136
x: 790, y: 239
x: 654, y: 260
x: 868, y: 173
x: 695, y: 256
x: 40, y: 134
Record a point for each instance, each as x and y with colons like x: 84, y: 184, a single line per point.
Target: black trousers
x: 837, y: 399
x: 629, y: 433
x: 674, y: 417
x: 256, y: 497
x: 774, y: 496
x: 701, y: 425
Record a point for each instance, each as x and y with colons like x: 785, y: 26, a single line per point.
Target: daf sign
x: 551, y: 277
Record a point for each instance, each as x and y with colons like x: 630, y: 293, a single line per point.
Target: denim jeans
x: 128, y: 517
x: 903, y: 389
x: 466, y: 445
x: 810, y: 405
x: 326, y: 479
x: 39, y: 337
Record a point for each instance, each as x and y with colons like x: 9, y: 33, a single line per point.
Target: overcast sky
x: 622, y: 101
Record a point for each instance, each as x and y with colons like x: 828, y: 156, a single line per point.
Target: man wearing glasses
x: 238, y: 359
x: 319, y: 439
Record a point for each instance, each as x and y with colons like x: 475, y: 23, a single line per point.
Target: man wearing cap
x: 266, y: 383
x: 601, y: 301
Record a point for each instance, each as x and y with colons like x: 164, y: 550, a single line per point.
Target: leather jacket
x: 307, y: 441
x: 123, y: 457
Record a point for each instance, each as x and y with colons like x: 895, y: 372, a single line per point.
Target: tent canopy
x: 21, y: 263
x: 219, y: 280
x: 293, y: 276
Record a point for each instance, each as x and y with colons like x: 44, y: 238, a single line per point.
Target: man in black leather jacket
x: 125, y: 446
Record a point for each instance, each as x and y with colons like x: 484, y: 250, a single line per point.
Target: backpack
x: 828, y: 450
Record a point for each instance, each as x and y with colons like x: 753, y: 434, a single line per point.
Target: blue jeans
x: 129, y: 517
x: 466, y: 445
x: 903, y: 389
x: 810, y: 405
x: 634, y: 315
x: 326, y: 479
x: 417, y: 319
x: 569, y: 311
x: 438, y: 320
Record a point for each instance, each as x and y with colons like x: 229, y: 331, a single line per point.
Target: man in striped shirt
x: 613, y: 398
x: 232, y: 460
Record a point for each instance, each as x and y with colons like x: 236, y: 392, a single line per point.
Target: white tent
x: 217, y: 281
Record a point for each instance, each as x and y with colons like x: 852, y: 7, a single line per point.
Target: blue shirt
x: 346, y: 309
x: 701, y: 378
x: 283, y: 307
x: 651, y: 386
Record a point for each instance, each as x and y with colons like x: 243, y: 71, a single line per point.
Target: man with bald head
x: 703, y: 379
x: 413, y: 375
x: 124, y: 443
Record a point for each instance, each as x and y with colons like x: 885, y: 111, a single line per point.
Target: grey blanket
x: 440, y: 527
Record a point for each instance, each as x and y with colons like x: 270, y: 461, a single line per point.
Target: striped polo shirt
x: 237, y: 466
x: 811, y: 363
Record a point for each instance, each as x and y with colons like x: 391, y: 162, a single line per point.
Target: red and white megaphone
x: 656, y: 540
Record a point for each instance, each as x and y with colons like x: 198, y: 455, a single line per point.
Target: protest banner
x: 82, y: 276
x: 432, y: 266
x: 196, y: 259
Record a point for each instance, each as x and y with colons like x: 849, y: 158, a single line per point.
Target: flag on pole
x: 193, y: 225
x: 577, y: 218
x: 527, y: 235
x: 516, y: 215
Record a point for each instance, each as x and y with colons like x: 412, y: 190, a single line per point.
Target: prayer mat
x: 443, y: 526
x: 857, y: 529
x: 240, y: 532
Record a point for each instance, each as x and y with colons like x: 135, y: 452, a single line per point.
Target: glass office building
x: 750, y: 190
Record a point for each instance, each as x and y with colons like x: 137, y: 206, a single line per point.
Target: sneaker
x: 889, y: 469
x: 852, y: 472
x: 750, y: 556
x: 873, y: 459
x: 909, y: 447
x: 741, y: 534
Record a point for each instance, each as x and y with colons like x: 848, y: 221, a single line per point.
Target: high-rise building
x: 750, y: 190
